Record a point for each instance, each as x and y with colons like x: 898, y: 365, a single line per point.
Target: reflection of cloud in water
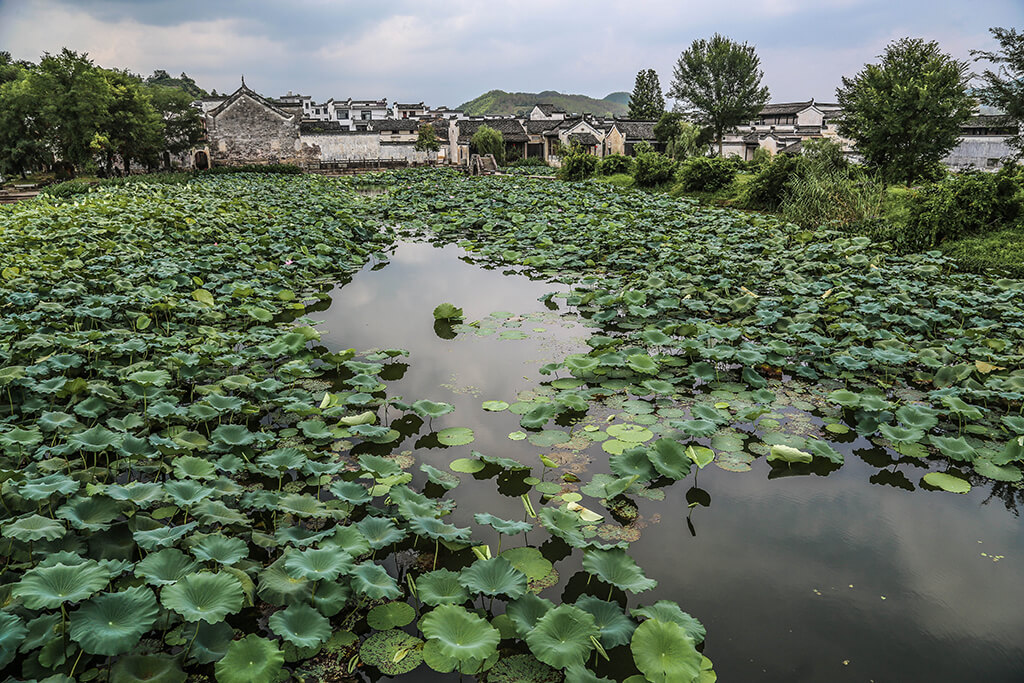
x: 762, y: 548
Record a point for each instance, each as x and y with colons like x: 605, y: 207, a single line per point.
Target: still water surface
x: 844, y: 577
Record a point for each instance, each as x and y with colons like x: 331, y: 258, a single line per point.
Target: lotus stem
x: 436, y: 543
x: 75, y: 665
x: 189, y: 648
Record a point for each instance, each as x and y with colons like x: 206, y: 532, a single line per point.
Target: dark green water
x: 859, y: 575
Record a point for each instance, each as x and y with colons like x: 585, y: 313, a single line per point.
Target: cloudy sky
x: 447, y: 52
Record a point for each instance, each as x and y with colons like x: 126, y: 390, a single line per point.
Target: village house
x: 983, y: 143
x: 781, y: 129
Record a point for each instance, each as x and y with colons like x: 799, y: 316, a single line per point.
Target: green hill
x: 501, y: 102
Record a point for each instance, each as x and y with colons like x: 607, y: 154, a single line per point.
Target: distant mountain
x: 499, y: 102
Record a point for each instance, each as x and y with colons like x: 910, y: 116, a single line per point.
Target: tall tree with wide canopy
x: 905, y: 113
x: 73, y: 98
x: 718, y: 83
x: 646, y: 103
x: 1003, y: 87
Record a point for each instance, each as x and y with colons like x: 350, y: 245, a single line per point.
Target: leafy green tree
x: 681, y: 138
x: 73, y: 98
x: 486, y: 140
x: 905, y: 113
x: 426, y: 140
x: 182, y: 82
x: 182, y: 123
x: 131, y: 127
x: 718, y: 82
x: 21, y: 130
x: 1004, y: 86
x: 646, y: 103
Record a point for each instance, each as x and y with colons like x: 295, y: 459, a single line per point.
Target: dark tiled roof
x: 511, y: 130
x: 395, y: 125
x: 418, y: 105
x: 794, y: 149
x: 538, y: 127
x: 990, y: 121
x: 785, y: 108
x: 245, y: 90
x: 585, y: 139
x: 636, y: 130
x: 321, y: 128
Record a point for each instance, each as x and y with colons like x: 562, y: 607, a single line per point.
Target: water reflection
x: 803, y: 572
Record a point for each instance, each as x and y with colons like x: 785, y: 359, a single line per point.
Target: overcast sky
x: 447, y: 52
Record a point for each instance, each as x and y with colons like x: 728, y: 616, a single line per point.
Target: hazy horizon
x: 447, y: 53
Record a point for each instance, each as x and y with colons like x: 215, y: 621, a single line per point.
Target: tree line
x: 67, y: 114
x: 903, y: 113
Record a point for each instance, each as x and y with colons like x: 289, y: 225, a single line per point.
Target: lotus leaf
x: 12, y: 632
x: 318, y: 564
x: 390, y: 615
x: 460, y: 635
x: 300, y: 625
x: 51, y: 587
x: 204, y: 597
x: 789, y: 454
x: 112, y: 623
x: 502, y: 526
x: 33, y: 528
x: 494, y: 576
x: 392, y: 652
x: 431, y: 527
x: 447, y: 311
x: 351, y: 492
x: 947, y: 482
x: 522, y: 669
x: 664, y: 653
x: 221, y: 549
x: 146, y: 669
x: 617, y: 568
x: 372, y: 581
x: 563, y: 636
x: 165, y: 567
x: 250, y: 660
x: 616, y: 628
x: 670, y: 459
x: 663, y: 610
x: 441, y: 587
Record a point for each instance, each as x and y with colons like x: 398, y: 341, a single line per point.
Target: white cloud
x: 216, y: 51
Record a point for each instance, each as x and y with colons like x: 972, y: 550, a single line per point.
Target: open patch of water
x: 801, y: 573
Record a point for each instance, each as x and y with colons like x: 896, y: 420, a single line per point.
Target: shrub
x: 767, y: 189
x: 833, y: 199
x: 962, y: 204
x: 651, y: 169
x: 577, y: 164
x: 613, y: 164
x: 68, y: 188
x: 706, y: 174
x: 528, y: 162
x: 761, y: 157
x: 288, y: 169
x: 825, y: 155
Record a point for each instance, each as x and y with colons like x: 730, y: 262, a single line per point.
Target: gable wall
x: 247, y: 132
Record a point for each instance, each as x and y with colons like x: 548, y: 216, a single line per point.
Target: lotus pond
x: 256, y: 428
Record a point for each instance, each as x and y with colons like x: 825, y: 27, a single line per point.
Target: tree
x: 73, y: 97
x: 426, y: 140
x: 131, y: 127
x: 486, y: 140
x: 718, y: 82
x: 905, y: 113
x: 681, y: 138
x: 21, y: 129
x: 182, y: 123
x: 646, y: 103
x: 1004, y: 87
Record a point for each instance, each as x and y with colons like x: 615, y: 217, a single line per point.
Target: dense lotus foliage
x: 194, y: 487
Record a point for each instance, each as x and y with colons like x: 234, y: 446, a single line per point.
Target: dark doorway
x: 202, y: 161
